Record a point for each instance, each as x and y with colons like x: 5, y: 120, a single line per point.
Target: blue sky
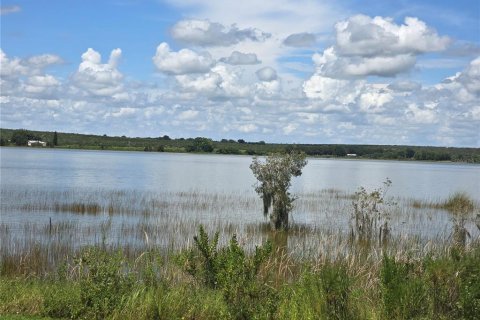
x: 392, y: 72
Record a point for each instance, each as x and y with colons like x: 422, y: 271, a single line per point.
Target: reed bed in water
x: 58, y: 248
x: 53, y: 225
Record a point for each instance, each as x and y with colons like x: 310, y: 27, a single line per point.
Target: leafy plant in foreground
x: 104, y: 283
x: 234, y: 273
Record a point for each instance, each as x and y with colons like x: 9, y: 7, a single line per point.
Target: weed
x: 104, y: 281
x: 230, y: 270
x: 369, y: 219
x: 404, y: 292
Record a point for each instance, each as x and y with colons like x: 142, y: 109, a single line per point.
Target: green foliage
x: 104, y: 282
x: 189, y: 302
x: 230, y: 146
x: 336, y: 285
x: 55, y: 139
x: 235, y: 274
x: 369, y: 217
x: 274, y: 179
x: 63, y: 300
x: 200, y: 144
x: 469, y: 299
x: 443, y: 287
x: 437, y: 287
x: 404, y: 292
x: 323, y: 294
x: 20, y: 137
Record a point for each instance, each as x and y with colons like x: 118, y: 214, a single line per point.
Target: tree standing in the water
x: 274, y: 179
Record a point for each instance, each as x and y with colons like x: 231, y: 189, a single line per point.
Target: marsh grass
x: 458, y: 203
x: 315, y: 269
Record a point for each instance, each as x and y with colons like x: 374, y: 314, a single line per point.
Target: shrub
x: 104, y: 281
x: 234, y: 273
x: 62, y: 300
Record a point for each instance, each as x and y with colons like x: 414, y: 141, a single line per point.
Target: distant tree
x: 165, y: 137
x: 55, y: 139
x: 339, y: 151
x: 241, y: 141
x: 20, y: 137
x: 274, y: 179
x: 200, y: 144
x: 160, y: 148
x: 2, y: 142
x: 409, y: 153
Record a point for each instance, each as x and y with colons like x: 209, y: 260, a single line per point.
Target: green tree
x: 55, y: 139
x: 200, y: 144
x: 274, y: 179
x: 20, y: 137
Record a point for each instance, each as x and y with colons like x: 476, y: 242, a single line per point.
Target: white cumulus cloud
x: 97, y: 78
x: 377, y: 47
x: 206, y: 33
x: 182, y: 62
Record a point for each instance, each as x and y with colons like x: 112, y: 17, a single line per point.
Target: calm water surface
x: 49, y: 169
x: 167, y: 195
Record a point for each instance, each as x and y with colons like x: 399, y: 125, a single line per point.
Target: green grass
x: 23, y: 317
x: 210, y: 281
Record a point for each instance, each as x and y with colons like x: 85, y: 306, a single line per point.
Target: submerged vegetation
x: 229, y: 146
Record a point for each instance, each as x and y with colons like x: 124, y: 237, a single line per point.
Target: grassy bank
x: 210, y: 281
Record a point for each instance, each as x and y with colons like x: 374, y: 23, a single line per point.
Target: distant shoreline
x: 201, y: 145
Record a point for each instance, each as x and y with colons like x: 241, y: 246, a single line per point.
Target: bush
x: 104, y: 283
x: 62, y: 300
x: 234, y: 273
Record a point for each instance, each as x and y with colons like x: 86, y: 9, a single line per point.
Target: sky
x: 285, y: 71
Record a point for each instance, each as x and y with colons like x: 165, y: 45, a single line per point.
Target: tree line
x: 164, y: 143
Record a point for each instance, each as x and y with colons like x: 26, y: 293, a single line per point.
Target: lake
x: 129, y: 197
x: 57, y: 169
